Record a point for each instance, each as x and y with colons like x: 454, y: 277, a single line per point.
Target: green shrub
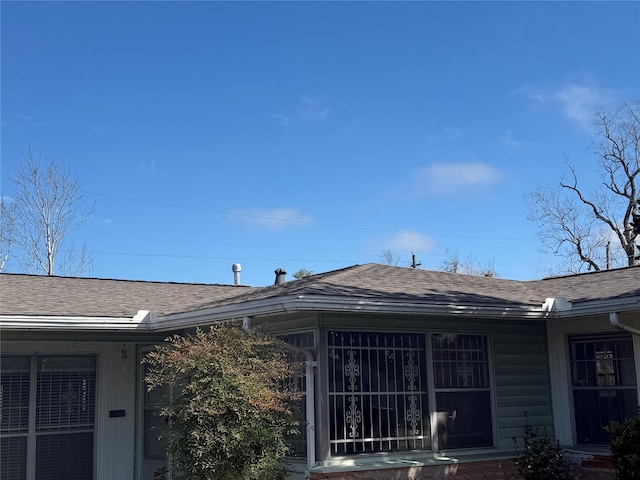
x: 229, y: 414
x: 625, y: 447
x: 542, y: 458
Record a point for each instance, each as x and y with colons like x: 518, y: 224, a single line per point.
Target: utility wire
x: 300, y: 222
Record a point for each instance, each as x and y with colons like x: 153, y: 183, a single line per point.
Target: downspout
x: 615, y: 321
x: 310, y: 394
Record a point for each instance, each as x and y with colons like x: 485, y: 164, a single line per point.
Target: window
x: 377, y: 392
x: 385, y: 387
x: 297, y: 441
x: 152, y: 424
x: 462, y: 390
x: 14, y: 401
x: 58, y: 395
x: 154, y: 444
x: 603, y: 382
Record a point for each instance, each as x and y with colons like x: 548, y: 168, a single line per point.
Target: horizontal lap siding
x: 521, y: 379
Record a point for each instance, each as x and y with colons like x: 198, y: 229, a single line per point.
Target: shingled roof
x: 41, y: 295
x: 92, y: 297
x: 374, y: 281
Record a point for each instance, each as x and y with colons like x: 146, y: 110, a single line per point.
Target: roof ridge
x: 590, y: 272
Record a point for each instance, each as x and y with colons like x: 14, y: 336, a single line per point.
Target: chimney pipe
x: 280, y: 274
x: 236, y: 268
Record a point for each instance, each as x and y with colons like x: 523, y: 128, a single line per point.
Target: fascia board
x: 599, y: 307
x: 61, y: 323
x: 148, y: 321
x: 323, y: 303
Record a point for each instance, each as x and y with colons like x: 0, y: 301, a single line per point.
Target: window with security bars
x: 297, y: 442
x: 462, y: 390
x: 377, y: 392
x: 604, y: 384
x: 58, y: 394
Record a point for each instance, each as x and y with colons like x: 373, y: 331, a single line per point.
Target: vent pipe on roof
x: 280, y: 274
x: 236, y: 268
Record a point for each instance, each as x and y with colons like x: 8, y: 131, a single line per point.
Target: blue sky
x: 311, y: 135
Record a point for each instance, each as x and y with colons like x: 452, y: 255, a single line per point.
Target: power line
x: 208, y: 257
x: 300, y: 222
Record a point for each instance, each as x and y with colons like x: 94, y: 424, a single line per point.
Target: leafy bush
x: 542, y: 458
x: 625, y: 447
x: 229, y: 414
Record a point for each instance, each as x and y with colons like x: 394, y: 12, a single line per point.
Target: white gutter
x: 141, y: 321
x: 301, y: 303
x: 148, y: 320
x: 559, y: 307
x: 615, y: 321
x: 310, y: 394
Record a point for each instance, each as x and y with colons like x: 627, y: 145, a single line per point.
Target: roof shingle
x: 92, y: 297
x: 42, y: 295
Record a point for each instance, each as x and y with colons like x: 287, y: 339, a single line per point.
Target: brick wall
x: 597, y: 467
x: 496, y: 469
x: 586, y: 468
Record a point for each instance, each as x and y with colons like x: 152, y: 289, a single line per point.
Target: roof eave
x: 146, y: 320
x: 141, y: 321
x: 306, y: 303
x: 598, y: 307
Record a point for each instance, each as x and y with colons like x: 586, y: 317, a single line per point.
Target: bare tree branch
x: 469, y: 266
x: 7, y: 230
x: 580, y: 224
x: 389, y: 257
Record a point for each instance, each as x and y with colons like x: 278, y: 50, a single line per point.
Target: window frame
x: 593, y: 337
x: 429, y: 385
x: 490, y: 388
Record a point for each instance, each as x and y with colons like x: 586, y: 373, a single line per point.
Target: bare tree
x: 389, y: 257
x: 47, y: 206
x: 469, y: 266
x: 596, y: 228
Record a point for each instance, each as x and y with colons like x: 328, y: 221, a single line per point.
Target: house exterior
x: 410, y: 373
